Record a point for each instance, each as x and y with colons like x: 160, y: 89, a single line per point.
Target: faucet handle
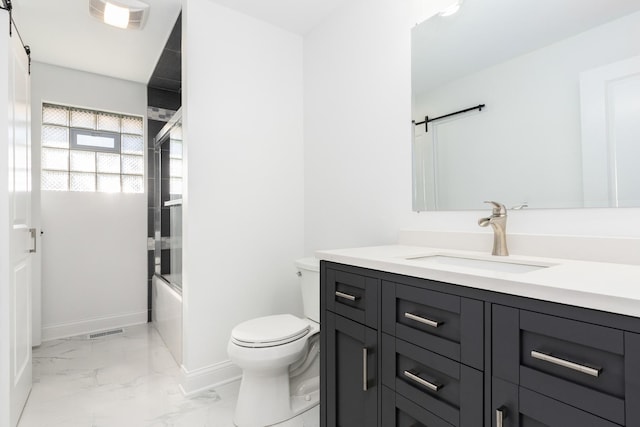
x: 498, y: 208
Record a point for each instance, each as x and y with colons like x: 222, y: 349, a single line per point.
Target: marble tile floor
x: 125, y: 380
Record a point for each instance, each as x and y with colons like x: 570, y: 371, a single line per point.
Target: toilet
x: 280, y: 359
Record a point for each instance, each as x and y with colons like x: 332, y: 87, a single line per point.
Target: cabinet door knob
x: 423, y: 320
x: 346, y: 296
x: 589, y: 370
x: 365, y: 356
x: 501, y: 414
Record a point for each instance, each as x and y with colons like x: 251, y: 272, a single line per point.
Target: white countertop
x: 597, y: 285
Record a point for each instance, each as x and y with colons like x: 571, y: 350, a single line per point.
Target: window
x: 84, y: 150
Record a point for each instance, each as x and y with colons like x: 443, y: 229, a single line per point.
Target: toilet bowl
x: 279, y: 358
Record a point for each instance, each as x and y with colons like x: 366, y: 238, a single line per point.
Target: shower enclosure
x: 167, y: 280
x: 168, y: 215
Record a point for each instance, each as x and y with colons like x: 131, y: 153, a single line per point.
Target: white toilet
x: 280, y: 359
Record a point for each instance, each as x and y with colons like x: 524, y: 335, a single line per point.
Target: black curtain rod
x: 6, y: 5
x: 427, y: 120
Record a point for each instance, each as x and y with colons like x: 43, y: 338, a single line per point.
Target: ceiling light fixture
x: 451, y: 9
x: 116, y: 15
x: 126, y: 14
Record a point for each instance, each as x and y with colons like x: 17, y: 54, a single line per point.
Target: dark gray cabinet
x: 352, y: 296
x: 401, y: 351
x: 578, y: 363
x: 350, y: 351
x: 447, y: 389
x: 352, y: 377
x: 520, y: 407
x: 444, y: 323
x: 398, y: 411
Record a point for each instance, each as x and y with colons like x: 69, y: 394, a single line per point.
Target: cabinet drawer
x: 578, y: 363
x: 445, y: 324
x: 445, y: 388
x: 353, y: 296
x: 516, y: 406
x: 398, y: 411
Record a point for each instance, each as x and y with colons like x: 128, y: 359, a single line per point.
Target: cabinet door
x: 515, y: 406
x: 351, y: 373
x: 578, y: 363
x: 398, y: 411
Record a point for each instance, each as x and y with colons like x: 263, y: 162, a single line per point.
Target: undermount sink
x: 483, y: 264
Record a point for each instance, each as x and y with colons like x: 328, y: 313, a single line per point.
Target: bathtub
x: 166, y: 314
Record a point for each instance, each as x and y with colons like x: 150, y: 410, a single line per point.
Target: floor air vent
x: 106, y: 333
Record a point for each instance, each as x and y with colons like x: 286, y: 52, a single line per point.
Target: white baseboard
x: 209, y: 377
x: 87, y: 326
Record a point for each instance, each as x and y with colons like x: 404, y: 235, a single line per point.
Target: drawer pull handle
x: 432, y: 323
x: 501, y: 414
x: 346, y: 296
x: 365, y: 382
x: 414, y: 377
x: 589, y: 370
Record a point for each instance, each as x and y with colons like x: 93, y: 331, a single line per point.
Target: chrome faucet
x: 498, y: 221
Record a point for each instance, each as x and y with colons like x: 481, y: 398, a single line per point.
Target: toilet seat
x: 270, y: 331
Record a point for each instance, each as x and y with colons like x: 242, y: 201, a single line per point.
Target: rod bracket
x: 27, y: 49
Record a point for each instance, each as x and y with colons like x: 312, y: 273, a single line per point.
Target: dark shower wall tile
x: 153, y: 128
x: 149, y: 300
x: 164, y: 162
x: 165, y: 222
x: 165, y: 99
x: 151, y: 193
x: 151, y: 164
x: 166, y: 261
x: 164, y: 191
x: 151, y: 222
x: 151, y: 264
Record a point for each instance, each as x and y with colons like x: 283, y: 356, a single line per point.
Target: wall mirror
x: 560, y: 84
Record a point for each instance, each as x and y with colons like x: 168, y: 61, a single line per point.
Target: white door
x: 611, y: 134
x: 21, y: 238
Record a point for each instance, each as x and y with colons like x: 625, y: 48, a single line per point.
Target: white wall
x: 357, y: 126
x: 243, y: 201
x: 93, y: 262
x: 94, y: 244
x: 358, y: 141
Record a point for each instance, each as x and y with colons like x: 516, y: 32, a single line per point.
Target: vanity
x: 417, y: 336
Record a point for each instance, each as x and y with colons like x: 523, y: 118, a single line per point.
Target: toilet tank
x: 309, y: 276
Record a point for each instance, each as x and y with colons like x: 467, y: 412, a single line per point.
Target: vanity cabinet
x: 400, y: 351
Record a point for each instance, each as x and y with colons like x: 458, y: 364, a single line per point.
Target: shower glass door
x: 168, y: 215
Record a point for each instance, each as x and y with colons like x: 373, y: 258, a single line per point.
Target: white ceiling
x: 296, y: 16
x: 63, y: 33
